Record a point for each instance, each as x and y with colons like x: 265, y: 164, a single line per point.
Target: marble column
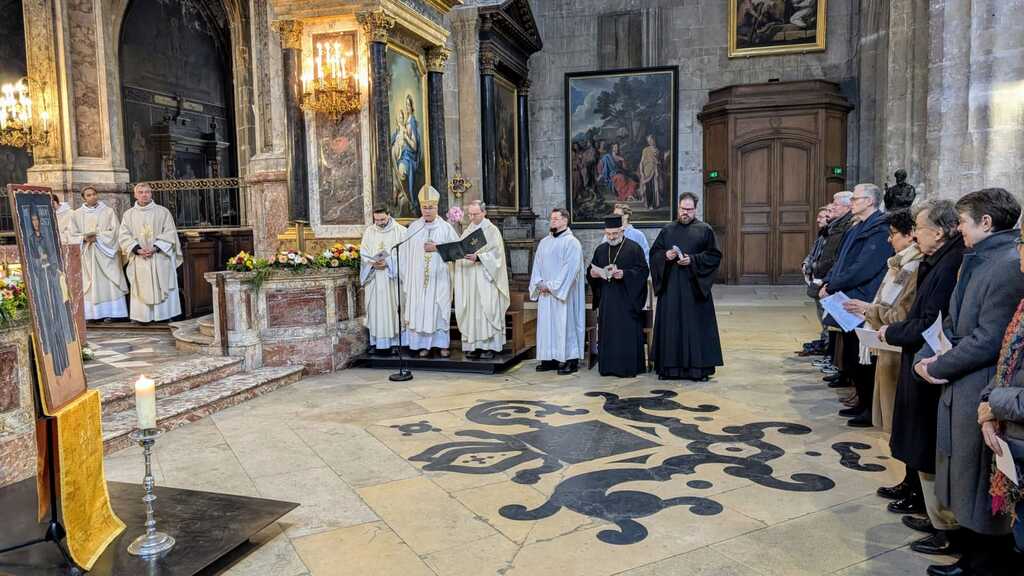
x: 436, y: 59
x: 376, y: 27
x: 523, y: 119
x: 291, y: 60
x: 488, y: 128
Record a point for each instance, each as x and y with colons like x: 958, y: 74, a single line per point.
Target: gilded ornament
x: 437, y: 57
x: 376, y: 25
x: 291, y: 33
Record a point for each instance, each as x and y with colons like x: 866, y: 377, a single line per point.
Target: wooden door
x: 792, y: 209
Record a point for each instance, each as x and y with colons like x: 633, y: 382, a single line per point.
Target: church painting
x: 505, y: 102
x: 407, y: 139
x: 621, y: 144
x: 339, y: 152
x: 759, y: 27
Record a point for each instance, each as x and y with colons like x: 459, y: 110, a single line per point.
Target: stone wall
x: 692, y: 35
x: 17, y: 411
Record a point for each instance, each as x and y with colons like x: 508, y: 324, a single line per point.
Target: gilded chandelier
x: 332, y: 90
x: 16, y: 118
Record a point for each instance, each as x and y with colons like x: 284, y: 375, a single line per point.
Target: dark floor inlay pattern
x: 849, y: 457
x: 420, y: 427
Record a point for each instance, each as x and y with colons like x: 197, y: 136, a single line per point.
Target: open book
x: 452, y: 251
x: 606, y: 272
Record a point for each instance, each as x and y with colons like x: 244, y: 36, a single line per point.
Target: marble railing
x: 312, y: 318
x: 17, y: 411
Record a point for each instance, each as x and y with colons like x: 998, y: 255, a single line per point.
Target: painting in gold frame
x: 506, y: 102
x: 408, y: 136
x: 769, y: 27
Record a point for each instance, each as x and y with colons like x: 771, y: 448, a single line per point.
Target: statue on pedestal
x: 900, y: 195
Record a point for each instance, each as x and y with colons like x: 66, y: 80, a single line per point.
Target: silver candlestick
x: 152, y: 542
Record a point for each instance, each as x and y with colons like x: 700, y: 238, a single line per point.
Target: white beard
x: 615, y: 242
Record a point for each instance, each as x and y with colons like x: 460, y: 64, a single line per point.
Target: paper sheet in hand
x: 834, y: 306
x: 452, y: 251
x: 936, y: 338
x: 606, y: 272
x: 870, y: 339
x: 1005, y: 463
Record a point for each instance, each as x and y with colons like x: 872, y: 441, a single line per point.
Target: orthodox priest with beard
x: 618, y: 280
x: 684, y: 260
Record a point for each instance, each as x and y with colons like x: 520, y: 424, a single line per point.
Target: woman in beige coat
x: 891, y: 304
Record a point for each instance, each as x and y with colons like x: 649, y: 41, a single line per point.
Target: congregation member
x: 629, y: 231
x: 816, y: 347
x: 378, y: 275
x: 988, y: 290
x: 63, y: 213
x: 94, y: 225
x: 618, y: 281
x: 858, y: 272
x: 839, y: 221
x: 891, y: 304
x: 915, y: 405
x: 684, y: 260
x: 426, y: 279
x: 557, y: 285
x: 481, y: 289
x: 149, y: 240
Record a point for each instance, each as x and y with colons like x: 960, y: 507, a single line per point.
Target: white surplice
x: 153, y: 281
x: 558, y: 265
x: 481, y: 293
x: 103, y: 281
x: 380, y: 287
x: 426, y: 285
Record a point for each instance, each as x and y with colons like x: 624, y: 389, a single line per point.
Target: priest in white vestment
x: 379, y: 277
x: 557, y: 285
x: 63, y: 213
x: 426, y: 279
x: 481, y: 289
x: 149, y: 240
x: 94, y: 225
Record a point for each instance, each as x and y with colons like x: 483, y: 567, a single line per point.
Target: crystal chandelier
x: 332, y: 90
x: 16, y: 118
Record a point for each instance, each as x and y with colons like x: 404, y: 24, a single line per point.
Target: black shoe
x: 897, y: 492
x: 850, y: 412
x: 472, y: 354
x: 841, y: 383
x: 569, y: 367
x: 547, y: 366
x: 919, y: 523
x: 394, y: 350
x: 959, y: 569
x: 832, y: 378
x: 372, y: 351
x: 487, y: 355
x: 862, y: 420
x: 913, y: 504
x: 937, y: 544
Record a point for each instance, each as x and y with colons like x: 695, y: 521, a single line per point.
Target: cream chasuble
x: 153, y: 280
x: 481, y: 293
x: 558, y: 265
x: 426, y: 285
x: 103, y: 280
x: 380, y: 287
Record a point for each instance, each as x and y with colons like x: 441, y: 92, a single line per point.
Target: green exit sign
x: 713, y: 174
x: 837, y: 170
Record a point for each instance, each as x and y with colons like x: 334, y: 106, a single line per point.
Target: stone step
x: 206, y: 325
x: 189, y: 338
x: 185, y: 373
x: 197, y: 403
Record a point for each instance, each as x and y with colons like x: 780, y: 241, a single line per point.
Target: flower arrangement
x: 340, y: 256
x: 455, y: 214
x: 13, y: 298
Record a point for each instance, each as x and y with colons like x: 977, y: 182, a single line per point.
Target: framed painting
x: 408, y: 137
x: 54, y: 336
x: 765, y: 27
x: 621, y: 144
x: 505, y: 103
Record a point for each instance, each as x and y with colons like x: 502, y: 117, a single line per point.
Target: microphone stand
x: 403, y: 374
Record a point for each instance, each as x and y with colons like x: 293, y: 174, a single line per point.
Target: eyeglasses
x: 855, y: 198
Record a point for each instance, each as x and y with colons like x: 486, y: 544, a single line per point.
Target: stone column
x: 376, y: 27
x: 291, y: 61
x: 523, y: 118
x: 488, y: 128
x: 437, y: 57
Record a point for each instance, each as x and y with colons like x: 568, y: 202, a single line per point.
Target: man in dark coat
x: 684, y: 259
x: 840, y: 221
x: 914, y: 415
x: 858, y: 272
x: 986, y: 295
x: 618, y: 281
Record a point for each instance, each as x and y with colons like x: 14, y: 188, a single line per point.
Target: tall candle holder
x: 152, y: 542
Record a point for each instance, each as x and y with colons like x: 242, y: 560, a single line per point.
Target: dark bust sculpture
x: 900, y: 195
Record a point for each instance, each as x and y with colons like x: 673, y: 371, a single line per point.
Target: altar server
x: 149, y: 240
x: 94, y: 225
x: 557, y: 285
x: 481, y: 289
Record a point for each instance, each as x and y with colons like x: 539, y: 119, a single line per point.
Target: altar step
x: 191, y: 404
x: 193, y: 336
x: 183, y: 374
x: 456, y: 362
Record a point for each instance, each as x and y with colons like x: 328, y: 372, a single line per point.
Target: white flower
x: 292, y: 256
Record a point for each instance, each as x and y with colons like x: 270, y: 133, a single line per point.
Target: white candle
x: 145, y: 402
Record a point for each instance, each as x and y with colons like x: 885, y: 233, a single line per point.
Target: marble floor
x: 530, y: 474
x: 120, y: 352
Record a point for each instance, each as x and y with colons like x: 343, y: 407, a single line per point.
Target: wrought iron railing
x: 201, y: 202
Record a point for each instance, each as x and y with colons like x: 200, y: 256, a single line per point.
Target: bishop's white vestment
x: 558, y: 265
x: 153, y: 280
x: 380, y: 287
x: 426, y: 285
x: 103, y: 282
x: 481, y: 293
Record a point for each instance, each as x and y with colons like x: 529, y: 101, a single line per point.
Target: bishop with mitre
x: 427, y: 279
x: 379, y: 276
x: 149, y: 239
x: 481, y: 289
x: 94, y: 225
x: 618, y: 281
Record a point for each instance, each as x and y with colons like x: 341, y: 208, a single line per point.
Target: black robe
x: 686, y: 342
x: 620, y: 305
